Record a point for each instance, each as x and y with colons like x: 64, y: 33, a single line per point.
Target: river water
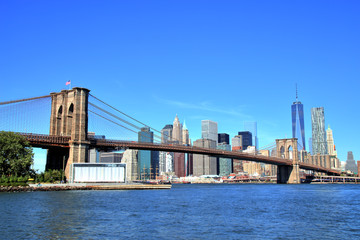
x: 190, y: 211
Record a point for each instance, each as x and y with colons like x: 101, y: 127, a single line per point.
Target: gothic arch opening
x: 282, y: 152
x: 291, y: 155
x: 69, y: 119
x: 58, y: 120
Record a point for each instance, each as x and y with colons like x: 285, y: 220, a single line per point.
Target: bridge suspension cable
x: 24, y: 100
x: 156, y: 137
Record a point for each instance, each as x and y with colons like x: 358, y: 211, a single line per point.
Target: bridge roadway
x: 48, y: 141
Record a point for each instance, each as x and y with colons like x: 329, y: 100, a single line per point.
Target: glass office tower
x: 298, y: 127
x: 252, y: 127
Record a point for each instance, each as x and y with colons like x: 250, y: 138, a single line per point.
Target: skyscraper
x: 298, y: 127
x: 166, y: 133
x: 246, y: 139
x: 223, y: 138
x: 177, y: 131
x: 319, y: 144
x: 164, y: 163
x: 203, y: 164
x: 310, y: 146
x: 330, y: 142
x: 144, y: 156
x: 185, y: 135
x: 350, y: 163
x: 209, y: 130
x: 252, y: 127
x: 225, y: 164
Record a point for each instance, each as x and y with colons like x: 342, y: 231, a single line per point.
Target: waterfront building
x: 269, y: 169
x: 147, y: 160
x: 358, y: 167
x: 246, y: 139
x: 94, y: 156
x: 130, y: 158
x: 252, y: 127
x: 179, y: 164
x: 169, y: 166
x: 252, y: 168
x: 298, y: 127
x: 166, y: 137
x: 223, y: 138
x: 320, y: 160
x: 185, y: 135
x: 350, y: 163
x: 224, y: 164
x: 236, y: 143
x: 319, y: 144
x: 110, y: 157
x: 203, y: 164
x: 330, y: 142
x: 209, y: 130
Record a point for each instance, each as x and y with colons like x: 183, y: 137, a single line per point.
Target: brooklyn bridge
x: 68, y: 140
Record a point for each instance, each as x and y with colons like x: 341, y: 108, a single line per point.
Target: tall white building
x: 330, y: 142
x: 209, y: 130
x: 185, y: 135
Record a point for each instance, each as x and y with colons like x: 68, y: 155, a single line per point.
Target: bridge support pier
x: 288, y: 174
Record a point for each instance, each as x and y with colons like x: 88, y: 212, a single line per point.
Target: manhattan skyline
x: 231, y: 62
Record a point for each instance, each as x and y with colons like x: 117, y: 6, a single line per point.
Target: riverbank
x: 69, y: 187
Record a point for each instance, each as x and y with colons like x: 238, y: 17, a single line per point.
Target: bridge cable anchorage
x: 116, y: 123
x: 127, y: 115
x: 23, y: 100
x: 118, y: 118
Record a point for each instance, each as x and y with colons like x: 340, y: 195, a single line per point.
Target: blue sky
x: 227, y: 61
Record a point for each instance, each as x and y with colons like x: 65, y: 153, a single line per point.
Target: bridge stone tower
x: 69, y: 117
x: 287, y: 148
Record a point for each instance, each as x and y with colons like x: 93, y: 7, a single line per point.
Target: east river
x: 190, y: 211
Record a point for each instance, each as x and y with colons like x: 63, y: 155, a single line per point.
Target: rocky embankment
x: 41, y: 188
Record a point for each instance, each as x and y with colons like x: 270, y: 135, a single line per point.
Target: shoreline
x: 77, y: 187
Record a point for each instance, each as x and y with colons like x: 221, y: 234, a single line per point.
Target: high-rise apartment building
x: 209, y: 130
x: 252, y: 127
x: 319, y: 144
x: 330, y: 142
x: 203, y: 164
x: 246, y: 139
x: 298, y: 127
x: 223, y: 138
x: 166, y: 137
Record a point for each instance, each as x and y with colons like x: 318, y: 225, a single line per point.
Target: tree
x: 16, y: 155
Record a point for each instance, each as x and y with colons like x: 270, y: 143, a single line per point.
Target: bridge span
x: 68, y: 141
x: 47, y: 141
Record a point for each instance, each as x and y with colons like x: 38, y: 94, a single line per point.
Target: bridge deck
x: 46, y: 141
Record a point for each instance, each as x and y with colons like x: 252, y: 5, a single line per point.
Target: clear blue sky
x: 227, y: 61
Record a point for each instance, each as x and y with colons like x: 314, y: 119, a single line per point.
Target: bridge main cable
x: 24, y: 100
x: 124, y: 114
